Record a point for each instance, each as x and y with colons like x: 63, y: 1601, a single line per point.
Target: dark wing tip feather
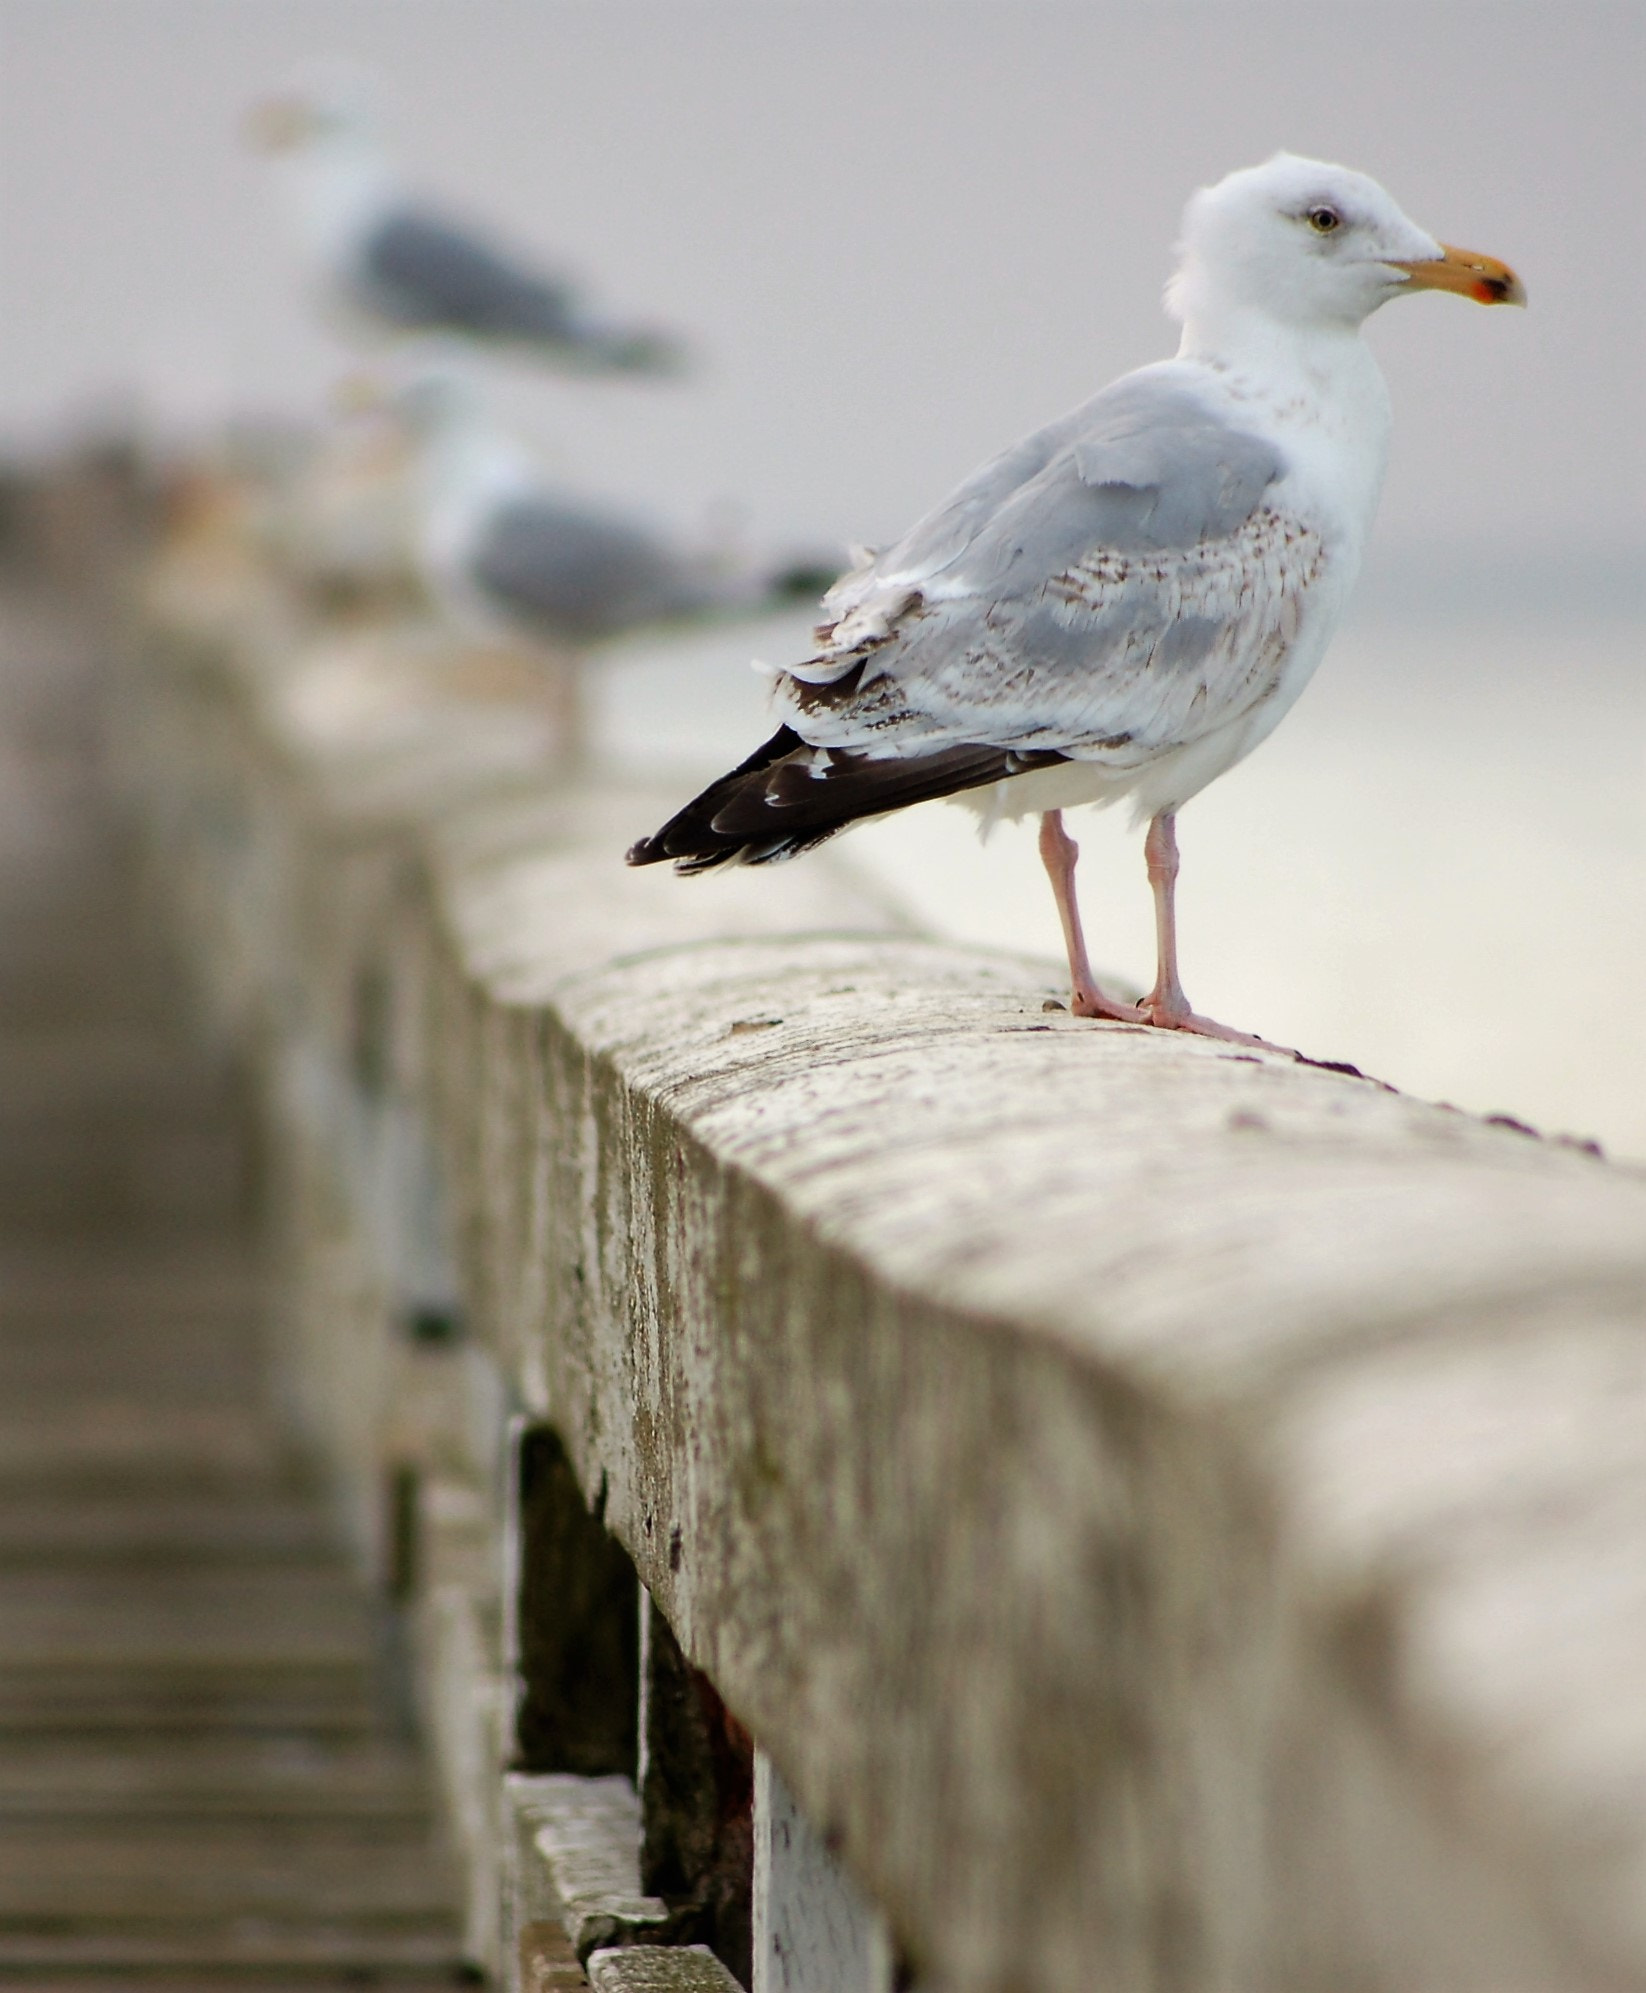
x: 632, y: 350
x: 692, y: 837
x: 783, y: 801
x: 650, y: 351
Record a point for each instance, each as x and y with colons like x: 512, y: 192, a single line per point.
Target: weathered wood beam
x: 1172, y: 1514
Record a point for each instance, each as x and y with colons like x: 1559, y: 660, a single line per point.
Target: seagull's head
x: 298, y: 122
x: 1316, y: 245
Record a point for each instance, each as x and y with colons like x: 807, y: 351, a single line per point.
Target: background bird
x: 395, y: 265
x: 511, y: 553
x: 1127, y: 602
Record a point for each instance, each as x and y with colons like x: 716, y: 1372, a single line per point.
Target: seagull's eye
x: 1324, y: 220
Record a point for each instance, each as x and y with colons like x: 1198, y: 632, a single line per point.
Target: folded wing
x: 1116, y: 587
x: 426, y: 273
x: 577, y: 574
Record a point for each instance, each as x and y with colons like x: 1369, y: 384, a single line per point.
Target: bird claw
x: 1092, y: 1002
x: 1160, y: 1014
x: 1172, y: 1017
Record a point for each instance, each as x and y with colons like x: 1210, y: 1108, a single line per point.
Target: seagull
x: 397, y: 266
x: 1125, y: 603
x: 509, y: 552
x: 508, y: 548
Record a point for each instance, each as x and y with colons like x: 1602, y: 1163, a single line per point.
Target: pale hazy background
x: 902, y: 234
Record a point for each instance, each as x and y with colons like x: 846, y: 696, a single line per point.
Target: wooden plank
x: 90, y: 1873
x: 253, y: 1696
x: 402, y: 1978
x: 206, y: 1775
x: 261, y: 1944
x: 546, y: 1961
x: 141, y: 1278
x: 202, y: 1782
x: 813, y: 1930
x: 111, y: 1440
x: 147, y: 1526
x: 586, y: 1832
x: 201, y: 1619
x: 191, y: 1354
x: 660, y: 1969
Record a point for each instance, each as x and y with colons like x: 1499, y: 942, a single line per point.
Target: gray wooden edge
x: 660, y: 1969
x: 1176, y: 1516
x: 586, y: 1834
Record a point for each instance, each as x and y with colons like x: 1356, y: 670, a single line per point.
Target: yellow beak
x: 277, y: 124
x: 1469, y: 273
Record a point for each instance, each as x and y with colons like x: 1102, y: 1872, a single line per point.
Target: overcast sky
x: 900, y: 234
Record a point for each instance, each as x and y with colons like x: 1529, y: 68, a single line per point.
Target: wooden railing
x: 1128, y: 1512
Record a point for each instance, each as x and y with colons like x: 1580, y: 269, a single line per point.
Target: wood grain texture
x: 1170, y: 1513
x: 203, y: 1782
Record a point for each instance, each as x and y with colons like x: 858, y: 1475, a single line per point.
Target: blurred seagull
x: 1125, y: 603
x: 398, y: 266
x: 508, y: 551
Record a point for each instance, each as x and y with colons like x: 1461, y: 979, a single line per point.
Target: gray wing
x: 939, y: 539
x: 425, y: 273
x: 1114, y: 587
x: 578, y: 575
x: 864, y: 603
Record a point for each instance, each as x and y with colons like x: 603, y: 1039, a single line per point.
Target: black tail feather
x: 790, y: 796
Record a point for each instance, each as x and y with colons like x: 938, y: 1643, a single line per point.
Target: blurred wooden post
x: 813, y: 1932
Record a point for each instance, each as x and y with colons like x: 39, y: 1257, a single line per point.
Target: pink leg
x: 1166, y: 1005
x: 564, y: 684
x: 1058, y: 852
